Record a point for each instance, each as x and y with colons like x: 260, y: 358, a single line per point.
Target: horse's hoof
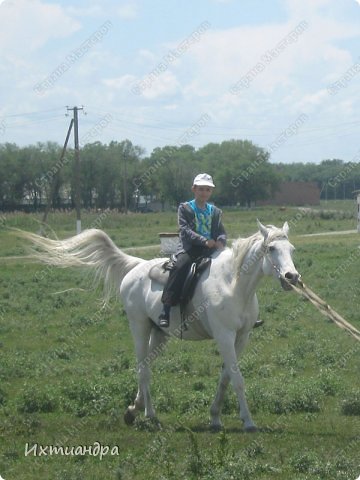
x: 129, y: 417
x: 155, y: 422
x: 251, y: 429
x: 216, y: 428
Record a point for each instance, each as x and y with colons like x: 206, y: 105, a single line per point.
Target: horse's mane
x: 241, y: 247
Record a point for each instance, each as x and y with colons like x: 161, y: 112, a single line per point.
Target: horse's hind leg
x: 149, y: 343
x: 158, y: 341
x: 141, y: 330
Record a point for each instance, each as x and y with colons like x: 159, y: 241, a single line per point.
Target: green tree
x: 242, y: 171
x: 173, y: 168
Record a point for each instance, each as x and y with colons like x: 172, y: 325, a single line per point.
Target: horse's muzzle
x: 289, y: 279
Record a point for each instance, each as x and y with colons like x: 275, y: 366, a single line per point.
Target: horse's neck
x: 247, y: 277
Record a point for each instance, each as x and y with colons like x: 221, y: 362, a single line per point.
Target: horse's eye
x: 271, y: 248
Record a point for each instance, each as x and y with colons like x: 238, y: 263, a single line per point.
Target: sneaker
x: 258, y: 323
x: 163, y: 320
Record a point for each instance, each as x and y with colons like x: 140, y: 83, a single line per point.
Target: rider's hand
x: 219, y: 245
x: 210, y: 243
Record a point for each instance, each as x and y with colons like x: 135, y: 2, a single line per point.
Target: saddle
x: 160, y: 273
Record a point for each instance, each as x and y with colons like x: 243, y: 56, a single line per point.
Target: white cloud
x: 147, y: 55
x: 89, y: 11
x: 171, y: 107
x: 163, y: 85
x: 127, y: 11
x: 237, y: 52
x: 94, y: 63
x: 37, y: 22
x: 312, y: 100
x: 119, y: 83
x: 305, y: 8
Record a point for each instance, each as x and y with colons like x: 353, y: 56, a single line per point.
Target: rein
x: 323, y: 307
x: 308, y: 294
x: 318, y: 302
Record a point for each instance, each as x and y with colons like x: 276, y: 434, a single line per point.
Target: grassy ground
x: 67, y: 369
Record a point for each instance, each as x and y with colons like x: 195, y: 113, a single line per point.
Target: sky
x: 284, y: 74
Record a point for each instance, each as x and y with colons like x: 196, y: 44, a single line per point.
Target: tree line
x: 118, y: 174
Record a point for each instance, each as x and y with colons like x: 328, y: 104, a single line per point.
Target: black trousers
x: 172, y: 290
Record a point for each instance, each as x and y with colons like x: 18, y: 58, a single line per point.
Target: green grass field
x: 67, y: 368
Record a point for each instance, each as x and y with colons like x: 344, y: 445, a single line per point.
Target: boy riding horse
x: 201, y: 234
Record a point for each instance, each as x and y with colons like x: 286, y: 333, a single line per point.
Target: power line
x: 180, y: 126
x: 127, y: 119
x: 31, y: 113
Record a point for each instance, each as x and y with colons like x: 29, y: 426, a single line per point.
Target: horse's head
x: 278, y: 255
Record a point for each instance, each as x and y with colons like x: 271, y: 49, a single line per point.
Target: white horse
x: 224, y: 306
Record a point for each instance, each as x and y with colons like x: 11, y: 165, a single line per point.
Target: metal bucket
x: 168, y: 242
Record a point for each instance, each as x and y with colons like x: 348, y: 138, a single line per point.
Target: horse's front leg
x: 230, y: 345
x: 215, y: 410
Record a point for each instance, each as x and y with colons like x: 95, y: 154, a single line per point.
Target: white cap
x: 203, y: 179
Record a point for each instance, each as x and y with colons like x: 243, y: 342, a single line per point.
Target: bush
x: 351, y: 405
x: 328, y: 383
x: 165, y: 402
x: 2, y: 397
x: 307, y: 400
x: 297, y: 398
x: 115, y: 366
x: 87, y: 398
x: 37, y: 401
x: 304, y: 462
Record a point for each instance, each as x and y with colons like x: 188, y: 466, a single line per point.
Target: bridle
x: 266, y: 248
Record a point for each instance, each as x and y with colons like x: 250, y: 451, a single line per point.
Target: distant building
x: 295, y: 193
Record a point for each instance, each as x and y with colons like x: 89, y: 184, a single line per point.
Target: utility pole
x: 52, y: 186
x: 125, y: 182
x: 77, y: 168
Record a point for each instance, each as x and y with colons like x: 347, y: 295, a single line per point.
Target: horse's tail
x: 91, y: 248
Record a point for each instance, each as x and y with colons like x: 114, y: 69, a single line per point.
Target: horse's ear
x: 262, y: 229
x: 286, y: 228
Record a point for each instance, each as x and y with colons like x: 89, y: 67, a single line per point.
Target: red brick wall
x: 295, y: 193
